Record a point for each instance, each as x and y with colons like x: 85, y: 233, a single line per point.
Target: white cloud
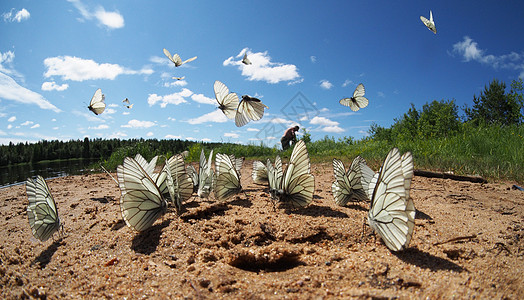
x: 325, y: 84
x: 174, y: 137
x: 11, y: 119
x: 125, y: 113
x: 139, y: 124
x: 200, y: 98
x: 6, y: 64
x: 263, y: 69
x: 175, y: 83
x: 112, y: 20
x: 9, y: 126
x: 313, y: 58
x: 35, y: 126
x: 322, y: 121
x: 216, y: 116
x: 51, y: 85
x: 112, y: 105
x: 19, y: 16
x: 171, y: 119
x: 206, y: 140
x: 347, y: 82
x: 335, y: 129
x: 10, y: 90
x: 149, y: 133
x: 470, y: 51
x: 2, y: 132
x: 27, y: 123
x: 117, y: 135
x: 53, y: 120
x: 79, y: 69
x: 231, y: 135
x: 109, y: 111
x: 99, y: 127
x: 253, y: 129
x: 175, y: 98
x: 381, y: 94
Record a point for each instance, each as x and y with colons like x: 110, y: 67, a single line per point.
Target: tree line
x: 493, y: 107
x: 85, y: 149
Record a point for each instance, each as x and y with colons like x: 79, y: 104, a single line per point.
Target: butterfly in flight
x: 358, y: 100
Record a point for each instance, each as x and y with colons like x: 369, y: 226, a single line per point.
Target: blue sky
x: 306, y: 56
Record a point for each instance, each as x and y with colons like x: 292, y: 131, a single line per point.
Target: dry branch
x: 431, y: 174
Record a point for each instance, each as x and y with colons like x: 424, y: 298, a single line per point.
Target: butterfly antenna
x: 109, y: 174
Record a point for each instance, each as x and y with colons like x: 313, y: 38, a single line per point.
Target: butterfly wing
x: 246, y: 60
x: 142, y: 203
x: 97, y: 104
x: 298, y: 184
x: 182, y: 181
x: 249, y: 109
x: 166, y: 53
x: 41, y: 211
x: 205, y: 175
x: 189, y: 60
x: 193, y: 174
x: 259, y: 173
x: 430, y: 24
x: 228, y: 102
x: 392, y: 213
x: 228, y: 181
x: 366, y: 175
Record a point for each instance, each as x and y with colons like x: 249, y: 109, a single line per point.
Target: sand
x: 246, y: 249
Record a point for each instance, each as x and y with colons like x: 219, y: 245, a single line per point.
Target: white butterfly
x: 179, y: 78
x: 205, y: 175
x: 249, y: 109
x: 298, y: 184
x: 358, y: 100
x: 259, y: 173
x: 41, y: 211
x: 392, y: 213
x: 227, y: 102
x: 430, y: 24
x: 182, y: 183
x: 97, y: 104
x: 128, y: 103
x: 347, y: 185
x: 176, y: 58
x: 228, y: 180
x: 274, y: 177
x: 141, y: 202
x: 193, y: 174
x: 246, y: 60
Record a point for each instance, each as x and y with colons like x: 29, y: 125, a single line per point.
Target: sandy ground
x: 244, y: 249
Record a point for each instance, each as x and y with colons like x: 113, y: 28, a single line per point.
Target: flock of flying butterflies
x: 146, y: 194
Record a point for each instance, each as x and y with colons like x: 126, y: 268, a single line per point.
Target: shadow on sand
x: 146, y: 241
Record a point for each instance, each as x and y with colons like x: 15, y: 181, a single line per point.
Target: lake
x: 18, y: 174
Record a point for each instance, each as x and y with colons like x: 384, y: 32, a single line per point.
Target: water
x: 18, y: 174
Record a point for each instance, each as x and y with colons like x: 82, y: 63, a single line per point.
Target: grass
x: 494, y: 152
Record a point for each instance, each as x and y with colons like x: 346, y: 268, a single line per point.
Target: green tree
x: 494, y: 106
x: 439, y: 118
x: 306, y: 135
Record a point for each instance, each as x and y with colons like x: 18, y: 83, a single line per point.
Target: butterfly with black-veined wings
x: 228, y: 180
x: 128, y: 104
x: 227, y: 102
x: 348, y: 185
x: 183, y: 185
x: 430, y: 24
x: 392, y: 213
x: 97, y: 104
x: 357, y: 101
x: 205, y: 175
x: 298, y: 184
x: 259, y: 173
x: 176, y: 58
x: 41, y: 210
x: 141, y: 202
x: 248, y: 109
x: 246, y: 60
